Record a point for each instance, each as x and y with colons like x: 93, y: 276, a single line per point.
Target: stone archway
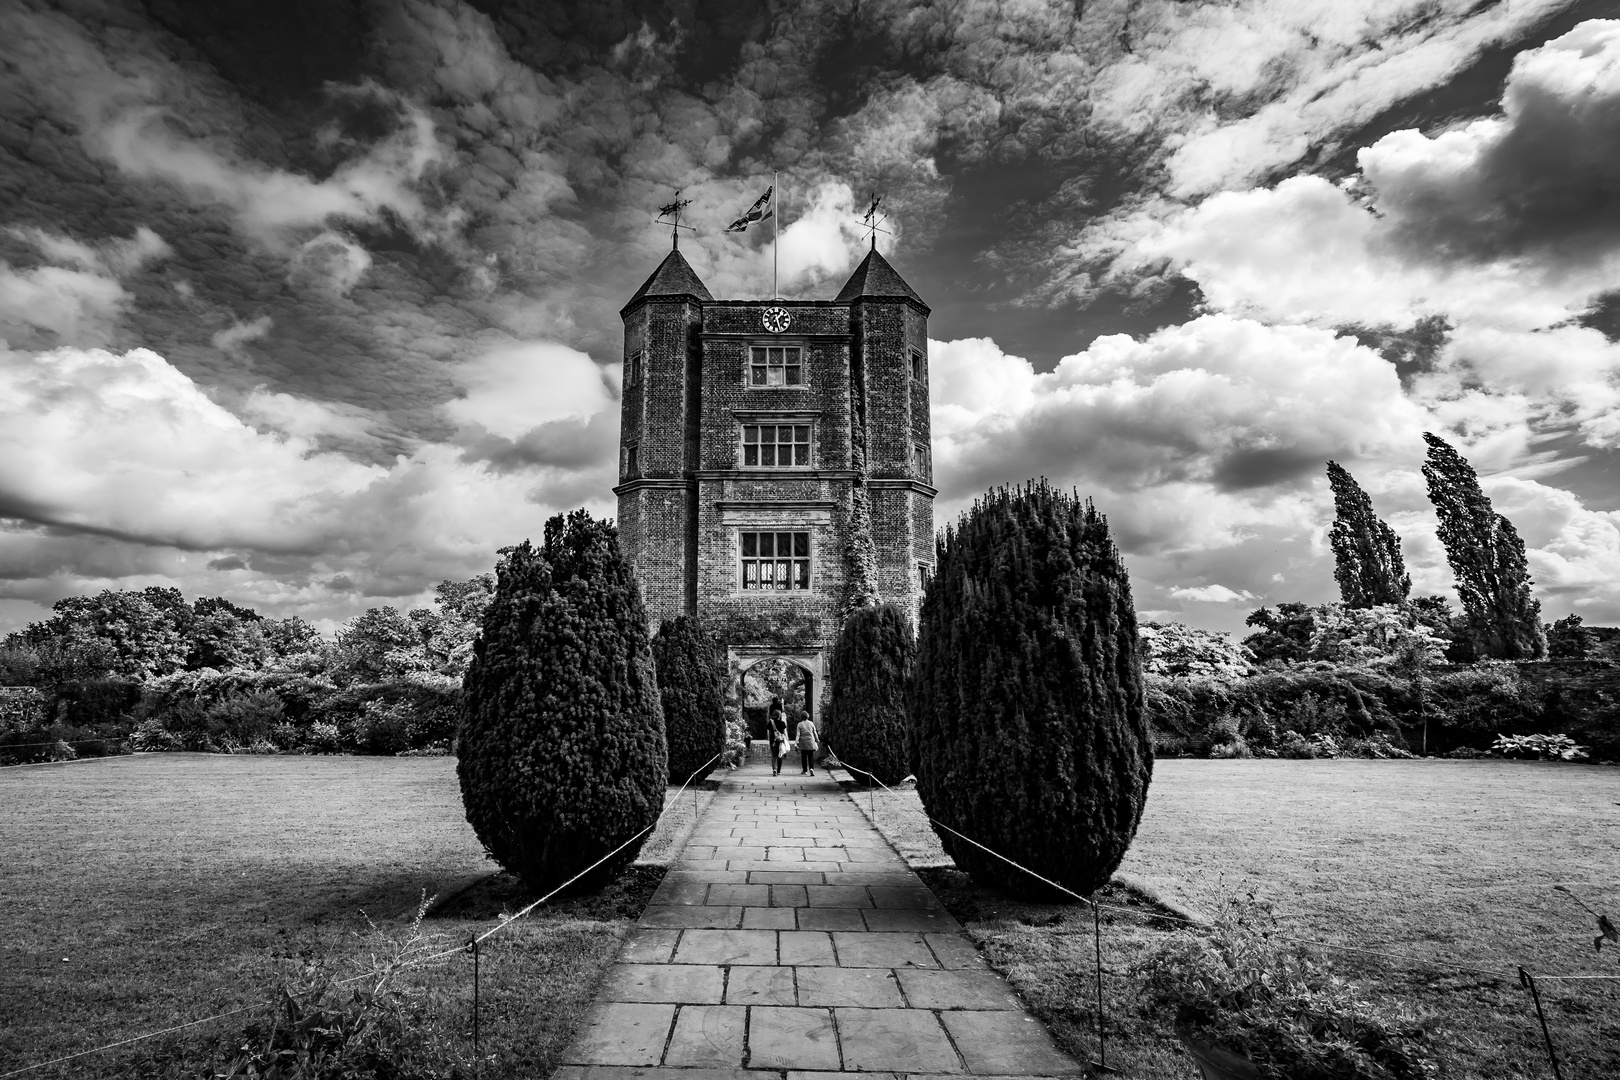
x: 772, y: 677
x: 807, y: 673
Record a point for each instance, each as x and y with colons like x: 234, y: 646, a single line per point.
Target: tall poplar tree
x: 1366, y: 552
x: 1487, y: 558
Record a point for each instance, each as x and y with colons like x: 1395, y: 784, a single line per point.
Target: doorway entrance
x: 776, y: 677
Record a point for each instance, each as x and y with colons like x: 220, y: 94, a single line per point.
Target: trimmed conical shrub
x: 692, y: 687
x: 561, y: 745
x: 1026, y: 695
x: 870, y: 663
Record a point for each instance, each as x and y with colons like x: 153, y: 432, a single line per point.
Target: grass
x: 146, y: 891
x: 1449, y: 863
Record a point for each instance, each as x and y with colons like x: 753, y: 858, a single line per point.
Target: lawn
x: 147, y: 891
x: 1449, y: 863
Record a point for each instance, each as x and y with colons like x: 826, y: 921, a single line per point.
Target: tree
x: 1026, y: 697
x: 1567, y: 639
x: 224, y: 640
x: 134, y: 635
x: 1487, y: 558
x: 1172, y: 649
x: 377, y: 645
x: 1388, y: 635
x: 1366, y: 552
x: 692, y: 691
x: 871, y: 662
x: 1283, y: 635
x: 561, y: 747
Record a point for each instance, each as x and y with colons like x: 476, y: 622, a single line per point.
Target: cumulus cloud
x: 1540, y: 177
x: 1212, y: 594
x: 194, y: 480
x: 1222, y: 401
x: 79, y: 295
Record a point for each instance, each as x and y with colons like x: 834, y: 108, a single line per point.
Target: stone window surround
x: 794, y: 561
x: 809, y: 418
x: 738, y: 517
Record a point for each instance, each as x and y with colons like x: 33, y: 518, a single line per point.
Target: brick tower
x: 748, y: 429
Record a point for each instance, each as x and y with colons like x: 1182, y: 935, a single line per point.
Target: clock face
x: 777, y: 320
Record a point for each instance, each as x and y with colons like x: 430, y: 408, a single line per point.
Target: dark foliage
x: 1567, y: 639
x: 692, y: 689
x: 1487, y: 558
x: 1026, y: 695
x: 562, y: 750
x: 871, y: 662
x: 1367, y: 559
x: 95, y: 702
x: 1284, y: 635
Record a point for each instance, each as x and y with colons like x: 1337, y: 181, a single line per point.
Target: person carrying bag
x: 807, y: 746
x: 778, y: 729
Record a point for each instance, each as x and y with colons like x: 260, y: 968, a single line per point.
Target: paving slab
x: 790, y: 942
x: 871, y: 949
x: 957, y: 989
x: 762, y: 986
x: 928, y: 921
x: 830, y: 918
x: 618, y: 1033
x: 807, y: 947
x: 695, y: 984
x: 647, y: 945
x: 895, y: 1039
x: 740, y: 895
x: 727, y: 947
x: 871, y: 988
x: 769, y: 918
x: 1007, y: 1042
x: 782, y: 1038
x: 683, y: 917
x: 707, y: 1035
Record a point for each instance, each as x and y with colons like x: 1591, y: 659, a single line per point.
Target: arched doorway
x: 774, y: 677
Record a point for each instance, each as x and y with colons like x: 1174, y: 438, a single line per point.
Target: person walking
x: 807, y: 746
x: 777, y: 729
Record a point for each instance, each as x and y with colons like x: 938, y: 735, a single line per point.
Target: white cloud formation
x: 80, y: 296
x: 1212, y: 594
x: 102, y: 445
x: 272, y: 203
x: 234, y: 336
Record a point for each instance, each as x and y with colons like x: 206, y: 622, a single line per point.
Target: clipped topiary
x: 561, y: 745
x: 1026, y: 696
x: 692, y: 687
x: 870, y: 663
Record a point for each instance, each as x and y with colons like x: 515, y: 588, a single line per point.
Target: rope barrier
x: 420, y: 961
x: 134, y: 1039
x: 69, y: 742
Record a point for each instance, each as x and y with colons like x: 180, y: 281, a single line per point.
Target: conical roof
x: 674, y: 277
x: 874, y: 278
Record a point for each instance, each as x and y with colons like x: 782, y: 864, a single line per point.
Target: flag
x: 761, y: 210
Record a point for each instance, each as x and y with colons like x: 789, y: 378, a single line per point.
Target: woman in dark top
x: 777, y: 730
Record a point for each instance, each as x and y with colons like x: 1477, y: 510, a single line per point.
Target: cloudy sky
x: 314, y: 304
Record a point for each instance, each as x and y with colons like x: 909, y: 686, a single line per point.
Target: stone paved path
x: 789, y: 940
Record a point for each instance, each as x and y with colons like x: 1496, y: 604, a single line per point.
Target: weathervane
x: 672, y: 211
x: 874, y: 221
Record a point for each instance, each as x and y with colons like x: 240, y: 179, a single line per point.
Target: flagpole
x: 776, y: 241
